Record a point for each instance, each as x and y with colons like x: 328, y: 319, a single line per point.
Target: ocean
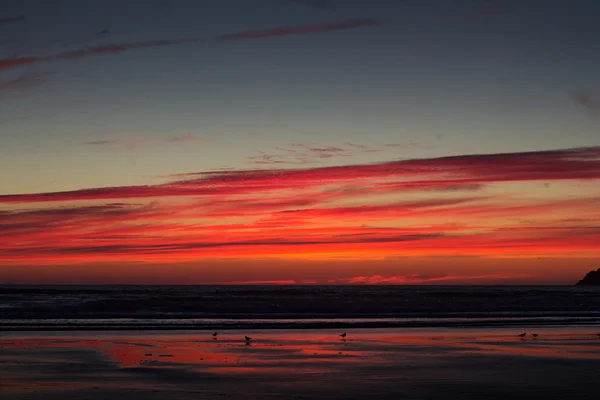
x: 25, y: 308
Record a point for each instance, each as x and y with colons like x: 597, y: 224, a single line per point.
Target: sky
x: 299, y: 141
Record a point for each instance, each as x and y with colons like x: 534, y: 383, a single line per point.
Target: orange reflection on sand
x: 291, y: 361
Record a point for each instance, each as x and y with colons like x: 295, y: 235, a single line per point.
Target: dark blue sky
x: 453, y: 77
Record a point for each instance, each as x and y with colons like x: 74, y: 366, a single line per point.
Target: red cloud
x: 320, y: 212
x: 161, y: 231
x: 407, y: 175
x: 10, y: 63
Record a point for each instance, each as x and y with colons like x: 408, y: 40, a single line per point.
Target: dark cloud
x: 101, y: 142
x: 300, y: 153
x: 300, y: 30
x: 12, y: 20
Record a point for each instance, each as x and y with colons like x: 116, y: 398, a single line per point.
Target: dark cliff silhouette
x: 592, y: 278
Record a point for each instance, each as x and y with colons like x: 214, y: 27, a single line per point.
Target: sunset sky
x: 299, y: 141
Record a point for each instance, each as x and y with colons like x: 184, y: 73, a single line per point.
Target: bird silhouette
x: 343, y: 335
x: 534, y: 335
x: 214, y: 335
x: 523, y: 334
x: 247, y: 338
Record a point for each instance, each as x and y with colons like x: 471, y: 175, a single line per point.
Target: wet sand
x: 302, y: 364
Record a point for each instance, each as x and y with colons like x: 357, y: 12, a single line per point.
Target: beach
x: 419, y: 363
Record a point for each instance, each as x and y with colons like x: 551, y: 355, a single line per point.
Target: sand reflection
x: 309, y: 362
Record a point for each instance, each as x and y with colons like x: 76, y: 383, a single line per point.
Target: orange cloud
x: 411, y: 208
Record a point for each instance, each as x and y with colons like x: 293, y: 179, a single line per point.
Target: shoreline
x: 307, y: 324
x: 505, y: 331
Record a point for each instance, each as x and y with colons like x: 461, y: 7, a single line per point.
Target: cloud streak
x: 418, y: 279
x: 12, y: 20
x: 101, y: 142
x: 23, y: 83
x: 300, y: 30
x: 299, y: 153
x: 422, y: 207
x: 588, y: 100
x: 188, y: 137
x: 388, y: 177
x: 16, y: 62
x: 11, y: 63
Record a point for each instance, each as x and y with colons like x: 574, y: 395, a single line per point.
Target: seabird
x: 214, y: 335
x: 534, y: 334
x: 523, y: 334
x: 343, y: 335
x: 248, y: 339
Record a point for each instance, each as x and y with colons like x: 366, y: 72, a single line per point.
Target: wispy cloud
x: 489, y: 11
x: 10, y: 63
x: 24, y: 82
x: 299, y: 153
x: 179, y: 231
x: 387, y: 177
x: 485, y: 12
x: 417, y: 279
x: 12, y: 20
x: 16, y: 62
x: 267, y: 282
x: 101, y: 142
x: 188, y: 137
x: 135, y: 145
x: 588, y: 100
x: 368, y: 211
x: 300, y: 30
x: 127, y: 143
